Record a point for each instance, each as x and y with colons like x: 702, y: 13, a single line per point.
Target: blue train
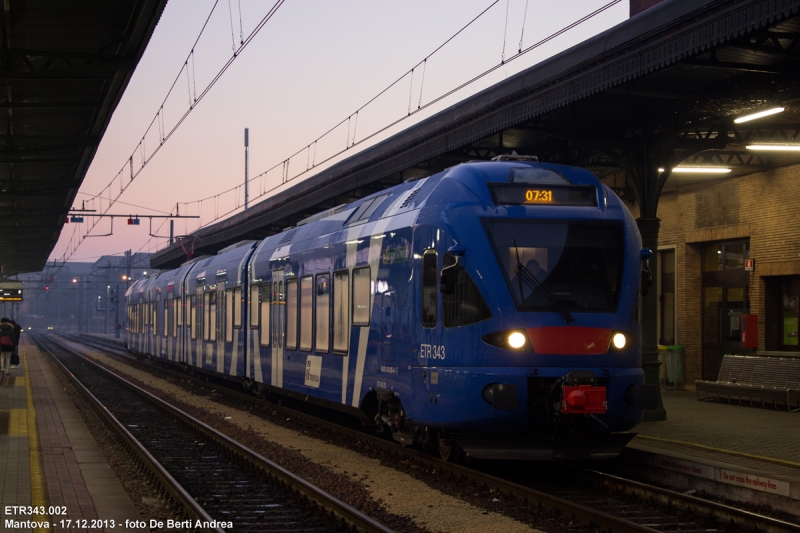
x: 490, y: 309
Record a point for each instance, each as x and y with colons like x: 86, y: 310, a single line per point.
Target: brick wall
x: 760, y: 206
x: 765, y: 207
x: 637, y: 6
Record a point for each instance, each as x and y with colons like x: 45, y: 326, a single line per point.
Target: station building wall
x: 759, y: 208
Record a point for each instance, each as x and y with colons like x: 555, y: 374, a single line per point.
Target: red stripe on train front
x: 569, y: 340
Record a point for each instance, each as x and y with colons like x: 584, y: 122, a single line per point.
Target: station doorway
x: 726, y: 296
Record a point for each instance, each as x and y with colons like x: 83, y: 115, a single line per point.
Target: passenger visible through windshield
x: 575, y: 264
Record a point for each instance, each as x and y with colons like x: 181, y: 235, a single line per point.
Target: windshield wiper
x: 525, y: 276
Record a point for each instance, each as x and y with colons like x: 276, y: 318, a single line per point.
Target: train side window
x: 323, y: 312
x: 206, y: 316
x: 462, y: 302
x: 265, y: 308
x: 237, y: 307
x: 213, y: 325
x: 430, y: 271
x: 306, y: 312
x: 291, y: 314
x: 179, y: 311
x: 165, y: 316
x: 341, y: 311
x: 174, y: 307
x: 361, y: 294
x: 191, y: 320
x: 254, y: 304
x: 229, y: 311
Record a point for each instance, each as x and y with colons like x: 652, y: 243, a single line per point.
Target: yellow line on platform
x: 38, y: 483
x: 721, y: 450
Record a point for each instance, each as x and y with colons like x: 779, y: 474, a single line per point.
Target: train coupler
x: 581, y: 395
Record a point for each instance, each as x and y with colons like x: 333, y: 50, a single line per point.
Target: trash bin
x: 674, y: 366
x: 662, y: 358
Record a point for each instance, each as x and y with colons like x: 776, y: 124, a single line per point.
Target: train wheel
x: 448, y: 450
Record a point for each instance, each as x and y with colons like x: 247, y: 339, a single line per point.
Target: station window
x: 229, y: 311
x: 237, y: 307
x: 254, y: 305
x: 265, y: 308
x: 306, y: 312
x: 341, y: 311
x: 361, y: 294
x: 430, y: 291
x: 462, y: 303
x: 291, y: 314
x: 323, y: 312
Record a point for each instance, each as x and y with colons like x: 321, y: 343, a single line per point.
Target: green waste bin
x: 674, y: 366
x: 662, y: 358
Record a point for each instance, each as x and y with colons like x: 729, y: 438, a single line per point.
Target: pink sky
x: 311, y: 66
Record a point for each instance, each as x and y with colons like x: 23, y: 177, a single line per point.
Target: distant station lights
x: 760, y: 114
x: 699, y: 170
x: 775, y: 147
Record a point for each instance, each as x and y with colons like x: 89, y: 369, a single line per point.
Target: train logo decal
x: 313, y: 370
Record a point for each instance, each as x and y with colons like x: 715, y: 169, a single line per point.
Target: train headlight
x: 510, y: 339
x: 621, y: 341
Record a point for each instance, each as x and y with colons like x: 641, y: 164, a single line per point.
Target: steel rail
x: 711, y: 509
x: 299, y: 485
x: 714, y: 510
x: 192, y: 509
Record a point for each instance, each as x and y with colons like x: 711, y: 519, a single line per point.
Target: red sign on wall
x: 749, y: 264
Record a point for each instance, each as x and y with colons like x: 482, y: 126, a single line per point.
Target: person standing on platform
x: 17, y: 334
x: 117, y: 327
x: 6, y: 345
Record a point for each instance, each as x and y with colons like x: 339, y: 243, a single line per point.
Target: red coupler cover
x: 584, y: 399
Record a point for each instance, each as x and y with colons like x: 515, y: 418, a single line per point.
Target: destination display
x: 544, y: 195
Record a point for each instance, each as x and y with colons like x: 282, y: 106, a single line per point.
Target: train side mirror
x: 448, y: 275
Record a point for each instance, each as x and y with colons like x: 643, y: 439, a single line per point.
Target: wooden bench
x: 765, y: 380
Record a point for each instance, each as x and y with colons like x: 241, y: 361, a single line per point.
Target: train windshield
x: 573, y: 266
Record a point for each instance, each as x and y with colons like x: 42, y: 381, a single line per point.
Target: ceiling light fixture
x: 701, y: 170
x: 775, y: 147
x: 765, y: 113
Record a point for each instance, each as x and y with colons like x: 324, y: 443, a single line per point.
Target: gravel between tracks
x: 399, y: 494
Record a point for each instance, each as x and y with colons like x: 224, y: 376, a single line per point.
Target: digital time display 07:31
x: 535, y: 196
x: 580, y: 195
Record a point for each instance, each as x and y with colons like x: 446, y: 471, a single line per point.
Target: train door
x: 278, y: 317
x: 386, y: 326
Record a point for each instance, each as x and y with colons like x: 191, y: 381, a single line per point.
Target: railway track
x: 610, y: 502
x: 214, y: 480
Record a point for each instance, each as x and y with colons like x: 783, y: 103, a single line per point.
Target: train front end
x: 551, y: 367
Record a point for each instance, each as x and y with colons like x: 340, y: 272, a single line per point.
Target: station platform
x: 48, y: 459
x: 742, y: 453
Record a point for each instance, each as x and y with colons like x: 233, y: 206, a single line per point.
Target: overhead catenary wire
x: 421, y: 107
x: 141, y: 147
x: 524, y: 18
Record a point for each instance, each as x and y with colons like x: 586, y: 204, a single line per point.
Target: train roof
x: 415, y: 194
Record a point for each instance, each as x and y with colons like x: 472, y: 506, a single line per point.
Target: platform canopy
x: 65, y: 65
x: 661, y: 89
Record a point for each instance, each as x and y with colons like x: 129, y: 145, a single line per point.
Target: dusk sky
x: 312, y: 65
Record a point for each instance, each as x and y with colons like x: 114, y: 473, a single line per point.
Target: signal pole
x: 246, y: 154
